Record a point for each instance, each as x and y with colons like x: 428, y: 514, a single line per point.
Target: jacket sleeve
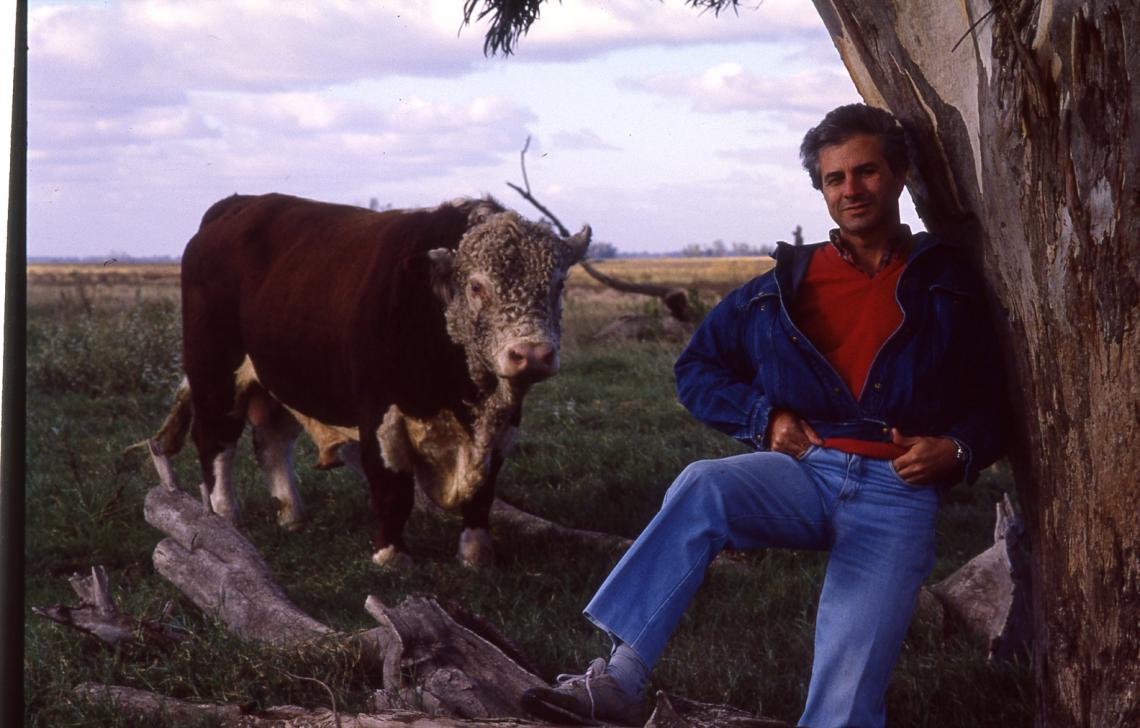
x: 983, y: 428
x: 715, y: 375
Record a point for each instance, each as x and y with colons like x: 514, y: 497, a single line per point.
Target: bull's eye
x: 478, y: 291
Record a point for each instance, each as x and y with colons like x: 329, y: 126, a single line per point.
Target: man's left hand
x: 927, y: 460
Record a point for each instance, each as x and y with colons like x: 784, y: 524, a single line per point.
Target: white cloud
x: 136, y: 48
x: 579, y: 29
x: 143, y: 112
x: 730, y: 87
x: 580, y: 139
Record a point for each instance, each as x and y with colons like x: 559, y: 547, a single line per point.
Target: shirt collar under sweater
x: 899, y: 245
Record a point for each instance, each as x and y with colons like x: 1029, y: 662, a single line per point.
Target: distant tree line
x: 113, y: 258
x: 720, y: 249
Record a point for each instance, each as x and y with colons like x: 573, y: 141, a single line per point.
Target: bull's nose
x: 534, y: 361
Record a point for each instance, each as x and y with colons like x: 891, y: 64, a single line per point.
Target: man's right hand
x: 790, y: 434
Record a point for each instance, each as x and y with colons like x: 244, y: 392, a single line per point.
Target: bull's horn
x: 580, y: 242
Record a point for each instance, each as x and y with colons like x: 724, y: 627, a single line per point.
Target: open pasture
x: 599, y: 445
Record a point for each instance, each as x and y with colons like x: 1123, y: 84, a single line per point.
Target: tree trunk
x: 1028, y: 150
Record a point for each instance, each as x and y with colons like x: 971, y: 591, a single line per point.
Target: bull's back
x: 303, y: 281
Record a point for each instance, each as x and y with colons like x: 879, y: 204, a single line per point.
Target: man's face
x: 861, y: 191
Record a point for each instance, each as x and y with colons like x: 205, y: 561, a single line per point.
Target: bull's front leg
x: 475, y: 546
x: 393, y: 495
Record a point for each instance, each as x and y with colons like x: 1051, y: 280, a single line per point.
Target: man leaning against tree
x: 863, y: 372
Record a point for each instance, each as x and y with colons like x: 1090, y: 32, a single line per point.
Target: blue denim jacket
x: 937, y: 374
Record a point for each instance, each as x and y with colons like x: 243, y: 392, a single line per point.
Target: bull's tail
x: 172, y: 435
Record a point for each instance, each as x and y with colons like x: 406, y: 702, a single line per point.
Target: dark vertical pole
x: 12, y: 412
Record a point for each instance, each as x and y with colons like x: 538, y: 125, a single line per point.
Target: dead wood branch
x: 676, y: 300
x: 98, y: 616
x: 503, y: 513
x: 637, y: 327
x: 455, y: 668
x: 672, y: 711
x: 153, y: 709
x: 458, y: 673
x: 520, y: 521
x: 222, y: 572
x: 989, y: 595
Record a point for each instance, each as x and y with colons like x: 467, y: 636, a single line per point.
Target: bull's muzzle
x: 529, y: 361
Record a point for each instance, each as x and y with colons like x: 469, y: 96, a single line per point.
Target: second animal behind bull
x: 379, y: 322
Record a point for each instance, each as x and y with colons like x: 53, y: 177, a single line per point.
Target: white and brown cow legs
x: 210, y: 366
x: 475, y: 546
x: 274, y: 432
x: 223, y: 498
x: 393, y: 496
x: 216, y: 438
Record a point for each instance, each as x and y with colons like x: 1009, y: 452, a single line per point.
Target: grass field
x: 600, y: 443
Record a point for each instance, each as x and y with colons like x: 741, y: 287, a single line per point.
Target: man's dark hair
x: 844, y: 122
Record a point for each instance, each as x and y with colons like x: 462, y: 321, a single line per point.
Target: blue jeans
x: 879, y: 530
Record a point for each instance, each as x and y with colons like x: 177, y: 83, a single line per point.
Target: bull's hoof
x: 476, y: 549
x: 289, y: 521
x: 227, y: 508
x: 391, y: 558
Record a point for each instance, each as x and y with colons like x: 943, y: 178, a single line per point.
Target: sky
x: 657, y: 124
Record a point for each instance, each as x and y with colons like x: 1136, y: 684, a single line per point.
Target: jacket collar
x: 792, y: 260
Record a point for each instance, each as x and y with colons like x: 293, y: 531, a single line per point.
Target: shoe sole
x: 539, y: 708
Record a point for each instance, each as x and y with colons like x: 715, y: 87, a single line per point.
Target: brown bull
x: 421, y: 330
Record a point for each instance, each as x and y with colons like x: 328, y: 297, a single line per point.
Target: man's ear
x: 441, y: 265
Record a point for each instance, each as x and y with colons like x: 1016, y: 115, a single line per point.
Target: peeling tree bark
x: 1028, y: 142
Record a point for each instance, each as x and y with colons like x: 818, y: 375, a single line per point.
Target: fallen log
x: 989, y: 595
x: 223, y: 573
x: 520, y: 521
x: 446, y: 663
x: 676, y: 300
x: 670, y: 712
x: 152, y: 708
x: 98, y: 616
x: 638, y: 327
x: 458, y: 673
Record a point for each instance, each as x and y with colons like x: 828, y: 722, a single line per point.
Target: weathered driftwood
x: 676, y: 300
x: 520, y: 521
x: 153, y: 708
x: 97, y: 615
x: 460, y: 665
x: 989, y: 595
x: 222, y: 572
x: 639, y: 327
x: 458, y: 673
x: 672, y: 711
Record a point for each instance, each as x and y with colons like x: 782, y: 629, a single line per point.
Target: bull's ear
x: 578, y: 243
x: 441, y: 263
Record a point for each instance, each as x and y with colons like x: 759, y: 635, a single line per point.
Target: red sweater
x: 848, y: 315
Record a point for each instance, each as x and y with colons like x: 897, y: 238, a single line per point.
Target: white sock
x: 629, y: 670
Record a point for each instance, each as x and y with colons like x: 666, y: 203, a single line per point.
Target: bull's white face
x: 505, y: 295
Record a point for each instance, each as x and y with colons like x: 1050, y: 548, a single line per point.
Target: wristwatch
x: 961, y: 455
